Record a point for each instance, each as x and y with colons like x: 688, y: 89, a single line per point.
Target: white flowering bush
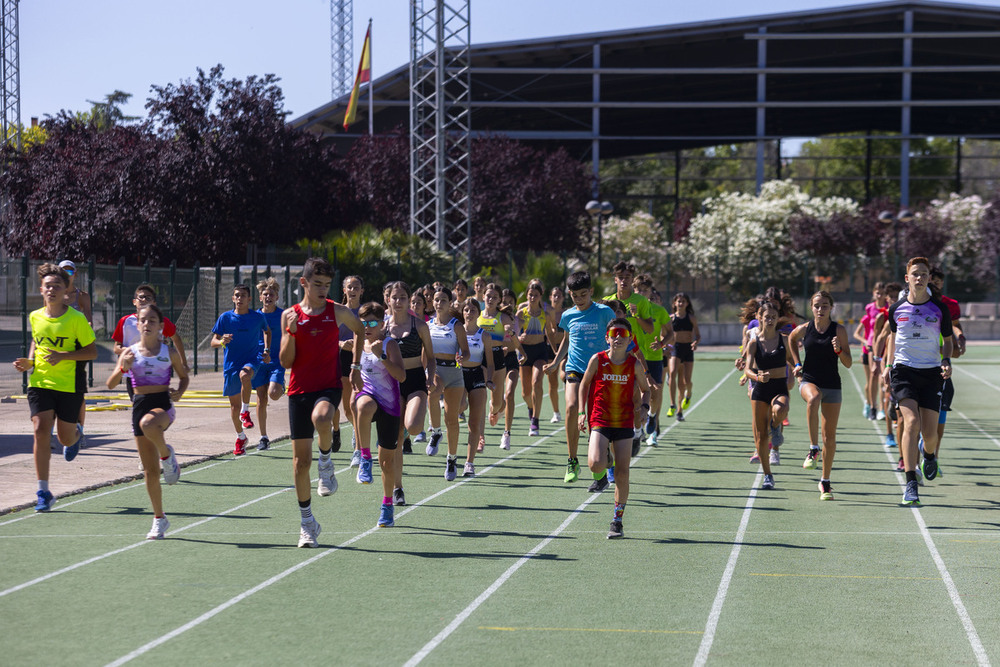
x: 963, y: 217
x: 638, y: 239
x: 747, y: 234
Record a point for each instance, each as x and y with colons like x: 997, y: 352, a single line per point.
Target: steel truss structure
x: 440, y: 123
x: 341, y: 47
x: 10, y: 131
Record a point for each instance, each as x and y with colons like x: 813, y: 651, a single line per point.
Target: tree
x: 379, y: 170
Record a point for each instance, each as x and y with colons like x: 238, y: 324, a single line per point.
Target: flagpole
x: 371, y: 85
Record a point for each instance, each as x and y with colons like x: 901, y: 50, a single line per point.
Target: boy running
x: 608, y: 387
x: 584, y: 324
x: 269, y: 380
x: 238, y: 332
x: 61, y: 339
x: 310, y: 349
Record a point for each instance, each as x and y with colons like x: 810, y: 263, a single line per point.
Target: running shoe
x: 686, y: 403
x: 356, y: 458
x: 929, y: 467
x: 263, y: 444
x: 505, y: 440
x: 159, y: 528
x: 398, y: 498
x: 680, y: 415
x: 811, y: 457
x: 385, y: 518
x: 407, y: 445
x: 785, y: 422
x: 469, y: 470
x: 449, y: 469
x: 482, y: 444
x: 872, y: 414
x: 900, y: 466
x: 611, y: 474
x: 309, y: 532
x: 890, y: 440
x: 327, y: 479
x: 432, y: 444
x: 245, y: 419
x: 650, y: 424
x: 920, y: 476
x: 867, y: 412
x: 825, y: 491
x: 69, y: 453
x: 556, y: 418
x: 672, y: 410
x: 336, y: 440
x: 572, y: 471
x: 755, y: 458
x: 768, y: 482
x: 775, y: 457
x: 651, y: 440
x: 365, y: 471
x: 777, y: 437
x: 461, y: 417
x: 420, y: 437
x: 599, y: 484
x: 240, y: 448
x: 912, y: 495
x: 171, y: 470
x: 616, y: 531
x: 920, y: 443
x: 45, y: 501
x: 533, y: 430
x: 880, y: 415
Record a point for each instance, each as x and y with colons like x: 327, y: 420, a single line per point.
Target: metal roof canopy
x: 918, y: 69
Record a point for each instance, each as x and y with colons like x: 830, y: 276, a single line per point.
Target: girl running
x: 353, y: 286
x: 379, y: 401
x: 413, y: 336
x: 557, y: 300
x: 450, y: 348
x: 681, y: 366
x: 826, y: 346
x: 477, y: 374
x: 534, y: 326
x: 766, y: 362
x: 152, y: 363
x: 500, y: 326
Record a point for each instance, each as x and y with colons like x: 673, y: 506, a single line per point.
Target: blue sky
x: 74, y: 51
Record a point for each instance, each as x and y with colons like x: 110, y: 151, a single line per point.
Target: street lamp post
x: 601, y: 210
x: 890, y: 218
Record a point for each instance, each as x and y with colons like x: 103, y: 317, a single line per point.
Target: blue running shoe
x: 890, y: 440
x: 768, y: 482
x: 777, y: 437
x: 611, y: 475
x: 911, y: 496
x: 929, y: 467
x: 385, y: 518
x: 365, y: 471
x: 45, y: 501
x: 69, y: 453
x: 650, y: 424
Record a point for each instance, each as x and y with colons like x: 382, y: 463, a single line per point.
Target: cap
x: 66, y: 264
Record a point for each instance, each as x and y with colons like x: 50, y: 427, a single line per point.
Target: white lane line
x: 485, y: 595
x: 281, y: 575
x: 956, y: 600
x: 973, y: 375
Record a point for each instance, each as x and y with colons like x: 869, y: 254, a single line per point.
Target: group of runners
x: 399, y: 363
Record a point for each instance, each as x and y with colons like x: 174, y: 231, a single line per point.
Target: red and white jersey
x: 610, y: 399
x: 317, y: 351
x: 127, y: 332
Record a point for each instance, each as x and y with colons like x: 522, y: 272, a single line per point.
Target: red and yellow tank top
x: 317, y: 352
x: 610, y: 399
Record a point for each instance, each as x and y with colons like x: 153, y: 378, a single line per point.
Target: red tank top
x: 317, y: 352
x: 610, y: 400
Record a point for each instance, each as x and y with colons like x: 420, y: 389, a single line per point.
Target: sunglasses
x: 371, y: 323
x: 619, y: 332
x: 69, y: 272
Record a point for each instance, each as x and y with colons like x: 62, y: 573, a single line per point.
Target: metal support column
x: 10, y: 95
x: 905, y: 121
x: 595, y: 124
x: 761, y: 112
x: 341, y: 47
x: 440, y: 124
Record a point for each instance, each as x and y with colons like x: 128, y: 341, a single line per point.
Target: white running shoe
x: 533, y: 430
x: 505, y: 440
x: 159, y: 529
x: 171, y: 469
x: 420, y: 437
x: 555, y: 418
x: 309, y: 532
x: 327, y: 479
x: 651, y: 440
x: 470, y: 470
x: 356, y: 458
x: 775, y: 457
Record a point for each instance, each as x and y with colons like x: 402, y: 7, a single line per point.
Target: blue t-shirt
x: 244, y: 348
x: 586, y: 330
x: 273, y: 320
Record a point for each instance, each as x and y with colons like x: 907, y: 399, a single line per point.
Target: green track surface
x: 512, y: 567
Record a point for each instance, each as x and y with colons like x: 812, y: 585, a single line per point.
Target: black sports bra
x: 410, y: 344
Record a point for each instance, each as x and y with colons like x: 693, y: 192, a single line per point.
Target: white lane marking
x: 973, y: 375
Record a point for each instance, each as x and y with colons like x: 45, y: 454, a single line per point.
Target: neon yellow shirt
x: 660, y: 318
x: 642, y: 309
x: 65, y: 333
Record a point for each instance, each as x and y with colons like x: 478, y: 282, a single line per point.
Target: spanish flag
x: 364, y: 76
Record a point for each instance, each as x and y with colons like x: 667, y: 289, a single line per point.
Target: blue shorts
x: 231, y: 384
x: 655, y: 370
x: 268, y: 373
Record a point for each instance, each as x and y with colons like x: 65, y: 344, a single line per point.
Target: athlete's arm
x: 560, y: 355
x: 845, y: 352
x: 286, y: 352
x: 394, y: 361
x: 584, y: 394
x: 180, y: 368
x: 695, y: 333
x: 793, y: 345
x: 85, y: 353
